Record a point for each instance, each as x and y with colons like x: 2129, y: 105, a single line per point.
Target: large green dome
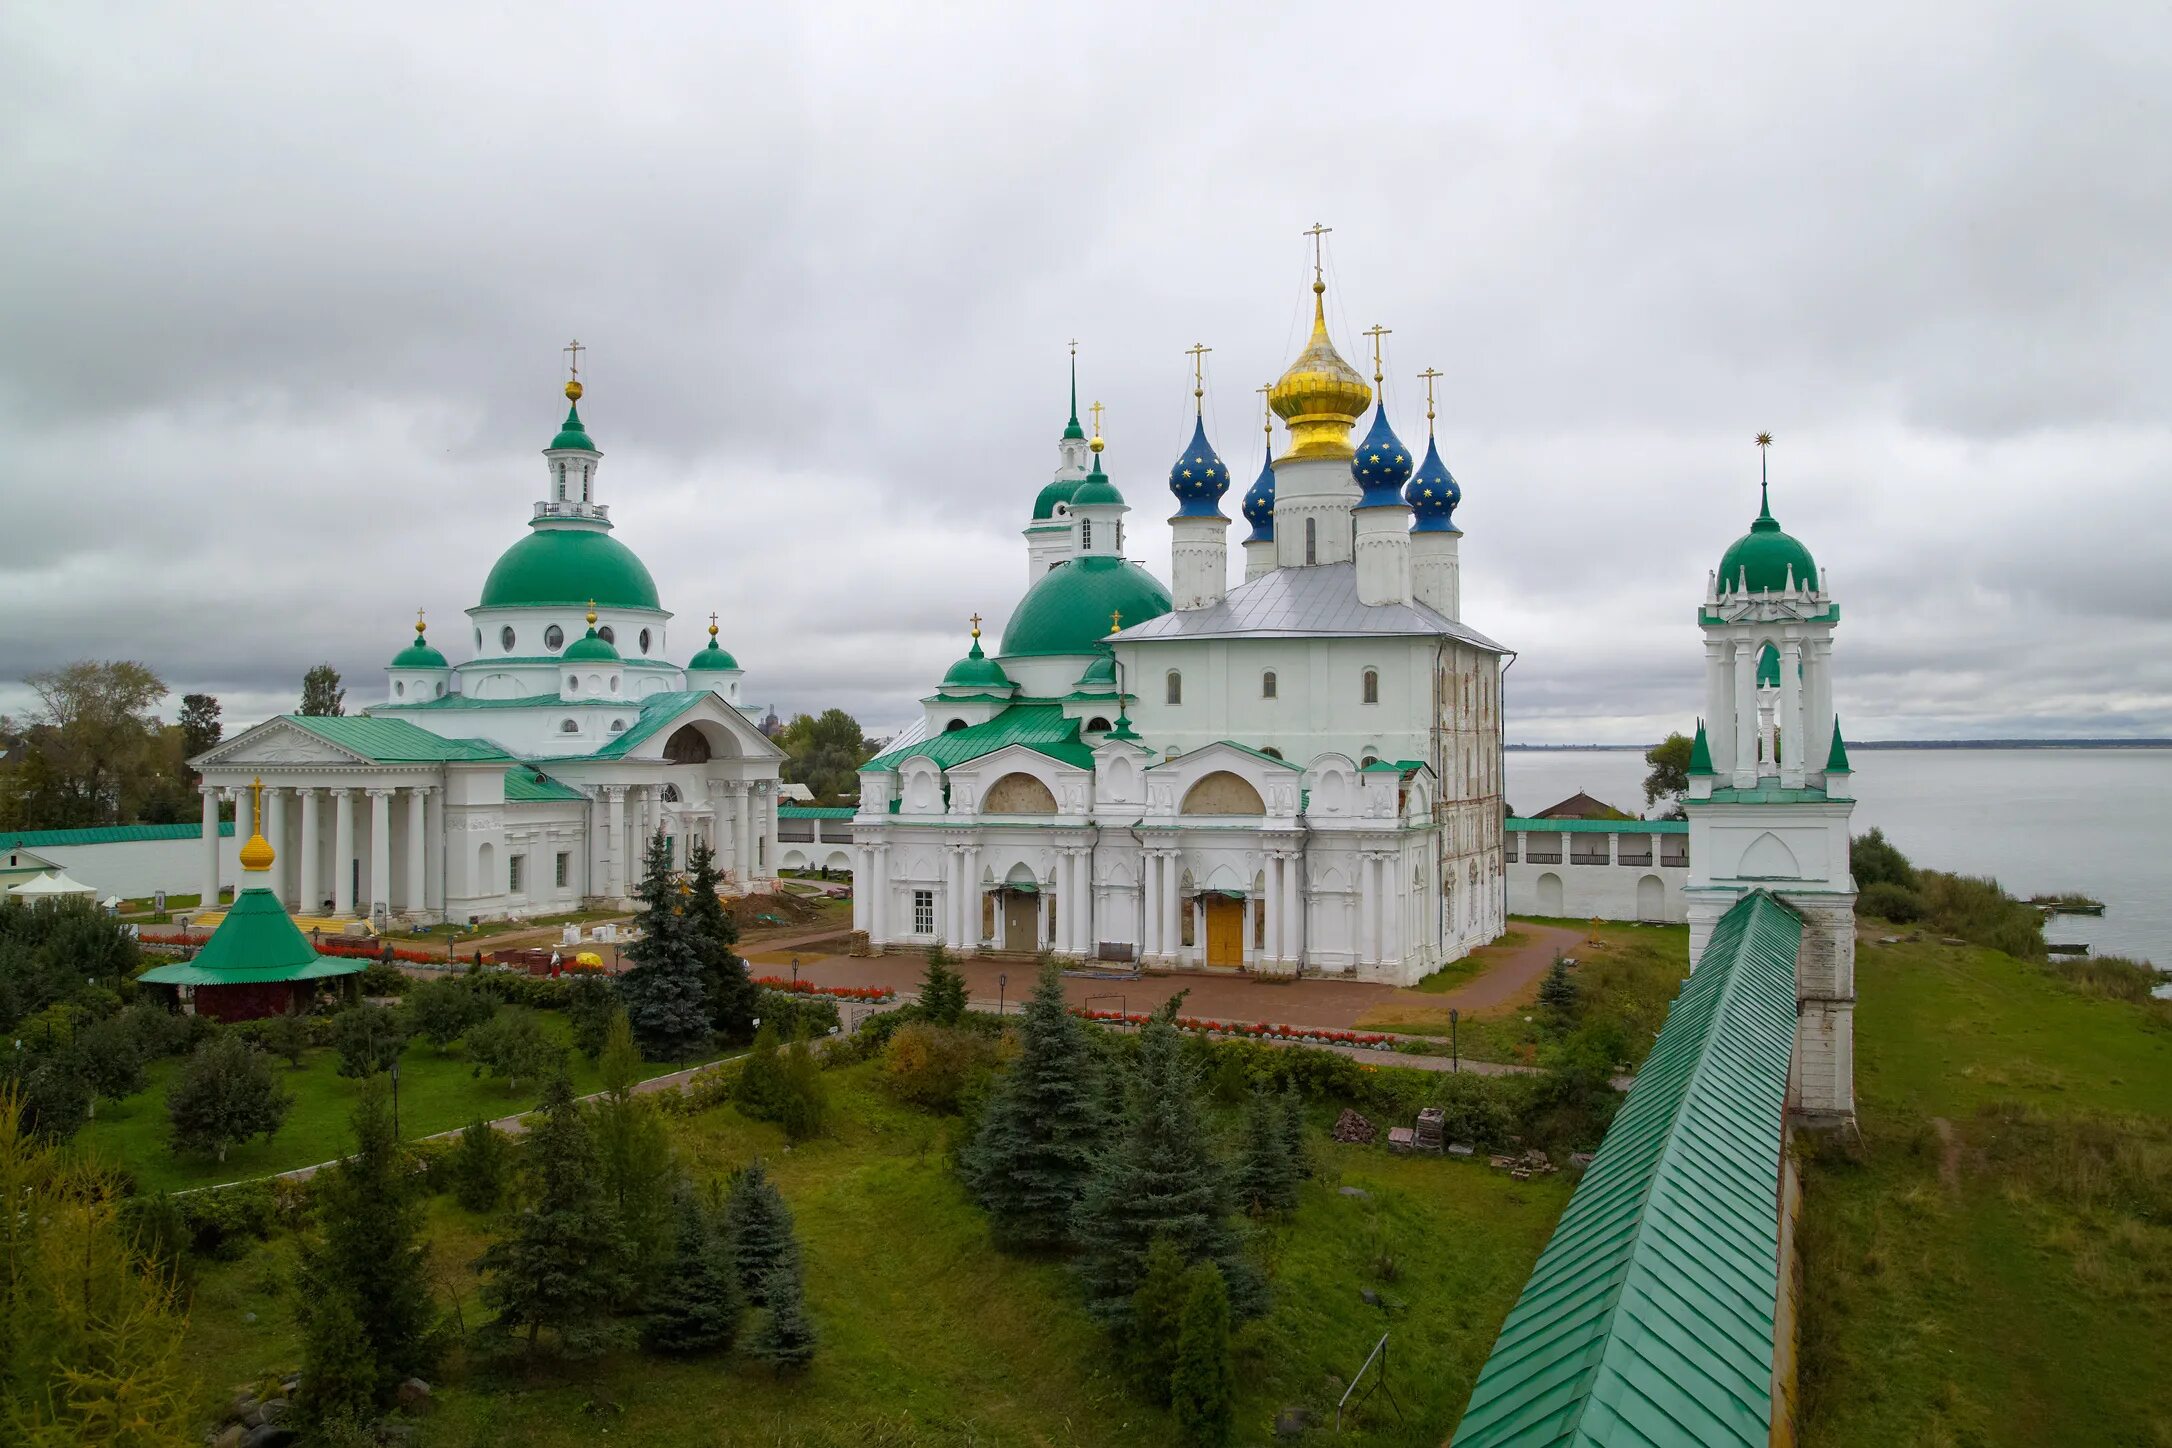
x: 1068, y: 609
x: 559, y: 566
x: 1765, y: 554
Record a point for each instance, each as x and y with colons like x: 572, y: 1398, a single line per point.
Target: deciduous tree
x: 1668, y: 781
x: 321, y: 694
x: 369, y: 1038
x: 511, y: 1045
x: 224, y: 1095
x: 442, y: 1011
x: 824, y: 752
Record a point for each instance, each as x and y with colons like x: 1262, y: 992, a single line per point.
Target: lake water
x: 2097, y: 821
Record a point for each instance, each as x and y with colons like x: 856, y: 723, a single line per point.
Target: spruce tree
x: 1266, y: 1178
x: 786, y: 1339
x: 1034, y: 1154
x: 1557, y: 993
x: 664, y: 994
x: 1292, y: 1114
x: 369, y: 1253
x: 633, y: 1152
x: 1158, y: 1179
x: 758, y: 1225
x: 733, y: 997
x: 480, y: 1165
x: 1201, y: 1385
x: 1149, y: 1349
x: 340, y: 1375
x: 942, y: 989
x: 698, y: 1306
x: 560, y: 1262
x: 760, y: 1087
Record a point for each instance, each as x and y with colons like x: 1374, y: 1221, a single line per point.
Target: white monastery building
x: 525, y: 780
x: 1302, y: 773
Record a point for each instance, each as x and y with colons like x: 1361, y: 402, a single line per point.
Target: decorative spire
x: 1198, y: 353
x: 1123, y: 729
x: 1764, y: 478
x: 572, y: 434
x: 712, y: 628
x: 1700, y: 754
x: 256, y: 856
x: 1116, y: 621
x: 1072, y: 429
x: 1836, y: 759
x: 420, y: 626
x: 976, y: 653
x: 1376, y: 332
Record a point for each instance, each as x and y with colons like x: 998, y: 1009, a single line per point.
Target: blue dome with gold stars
x: 1259, y: 503
x: 1198, y: 477
x: 1433, y: 494
x: 1381, y: 464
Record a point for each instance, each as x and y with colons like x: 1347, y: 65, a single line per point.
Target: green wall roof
x: 109, y: 835
x: 567, y: 567
x: 1597, y: 827
x: 1039, y: 727
x: 393, y: 741
x: 525, y: 783
x: 1068, y: 609
x: 1649, y: 1320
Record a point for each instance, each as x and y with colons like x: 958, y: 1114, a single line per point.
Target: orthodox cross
x: 976, y: 625
x: 1266, y: 413
x: 573, y: 351
x: 1116, y: 621
x: 1096, y: 410
x: 1376, y: 332
x: 1198, y: 352
x: 1429, y: 374
x: 1316, y: 231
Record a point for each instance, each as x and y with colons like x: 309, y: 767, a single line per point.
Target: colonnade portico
x: 318, y: 875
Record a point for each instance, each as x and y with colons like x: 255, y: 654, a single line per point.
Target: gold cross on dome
x: 1429, y: 374
x: 1376, y: 332
x: 1116, y: 621
x: 1316, y: 231
x: 1096, y: 410
x: 1198, y: 353
x: 1266, y: 413
x: 573, y: 351
x: 976, y: 625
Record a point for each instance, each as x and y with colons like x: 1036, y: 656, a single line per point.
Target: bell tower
x: 1769, y: 806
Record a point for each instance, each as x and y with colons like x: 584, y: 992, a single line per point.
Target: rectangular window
x: 1176, y: 687
x: 1674, y: 851
x: 1086, y: 535
x: 923, y: 912
x: 564, y: 874
x: 1587, y: 849
x: 517, y: 867
x: 1542, y: 849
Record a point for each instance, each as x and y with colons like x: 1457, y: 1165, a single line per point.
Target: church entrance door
x: 1021, y: 921
x: 1225, y: 932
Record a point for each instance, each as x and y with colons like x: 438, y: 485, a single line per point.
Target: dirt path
x: 1949, y: 1155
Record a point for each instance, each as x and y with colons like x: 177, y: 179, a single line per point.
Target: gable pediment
x: 275, y: 741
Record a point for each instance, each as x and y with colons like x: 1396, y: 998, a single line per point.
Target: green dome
x: 1766, y: 554
x: 562, y: 566
x: 1060, y: 491
x: 1100, y: 675
x: 711, y: 658
x: 573, y: 434
x: 1068, y: 609
x: 593, y: 648
x: 419, y: 655
x: 1097, y: 491
x: 977, y: 673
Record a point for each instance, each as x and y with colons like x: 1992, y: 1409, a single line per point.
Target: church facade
x: 1299, y: 774
x: 525, y: 780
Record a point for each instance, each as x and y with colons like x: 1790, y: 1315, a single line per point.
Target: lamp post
x: 395, y: 1098
x: 1455, y: 1046
x: 795, y: 972
x: 1002, y: 980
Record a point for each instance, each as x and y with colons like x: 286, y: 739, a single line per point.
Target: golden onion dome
x: 1321, y: 397
x: 256, y: 855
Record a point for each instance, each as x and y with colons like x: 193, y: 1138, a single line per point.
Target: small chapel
x: 524, y: 780
x: 1300, y: 773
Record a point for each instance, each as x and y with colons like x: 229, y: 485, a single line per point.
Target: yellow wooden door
x: 1225, y: 932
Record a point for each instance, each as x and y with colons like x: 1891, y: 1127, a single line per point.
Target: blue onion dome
x: 1259, y: 503
x: 1381, y: 464
x: 1433, y: 494
x: 1199, y: 477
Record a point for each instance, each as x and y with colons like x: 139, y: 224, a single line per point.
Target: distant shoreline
x: 1890, y: 744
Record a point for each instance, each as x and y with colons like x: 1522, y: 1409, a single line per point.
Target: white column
x: 1149, y: 909
x: 1293, y: 909
x: 209, y: 885
x: 433, y: 843
x: 1794, y: 746
x: 1745, y: 776
x: 417, y: 852
x: 743, y: 832
x: 343, y: 852
x: 275, y: 831
x: 311, y: 887
x: 380, y: 851
x: 861, y: 920
x: 769, y: 829
x: 1172, y: 934
x: 614, y: 859
x: 1719, y: 724
x: 879, y: 884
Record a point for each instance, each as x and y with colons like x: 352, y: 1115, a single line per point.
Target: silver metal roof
x: 1320, y: 601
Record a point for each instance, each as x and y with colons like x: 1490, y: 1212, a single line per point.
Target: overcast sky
x: 286, y: 289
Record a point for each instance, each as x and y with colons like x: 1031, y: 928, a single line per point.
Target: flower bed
x: 1253, y: 1030
x: 834, y: 992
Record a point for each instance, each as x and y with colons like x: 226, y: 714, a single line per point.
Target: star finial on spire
x: 1429, y: 374
x: 1198, y: 353
x: 1376, y: 332
x: 1764, y: 478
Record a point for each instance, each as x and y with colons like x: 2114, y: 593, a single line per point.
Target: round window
x: 505, y: 638
x: 614, y: 683
x: 399, y: 690
x: 644, y: 642
x: 607, y: 634
x: 554, y: 638
x: 440, y: 694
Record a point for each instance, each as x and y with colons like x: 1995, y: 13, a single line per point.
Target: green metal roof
x: 1836, y: 759
x: 557, y: 565
x: 1649, y: 1318
x: 815, y: 812
x: 469, y: 701
x: 418, y: 655
x: 1259, y: 754
x: 1762, y: 794
x: 1068, y: 609
x: 109, y: 835
x: 1765, y: 557
x: 712, y: 657
x: 393, y: 741
x: 257, y: 941
x: 572, y: 433
x: 1060, y: 491
x: 1700, y: 753
x: 657, y: 710
x: 1041, y: 728
x: 977, y: 673
x: 1597, y: 827
x: 527, y: 785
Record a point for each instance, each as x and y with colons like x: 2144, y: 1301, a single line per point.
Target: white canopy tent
x: 56, y: 886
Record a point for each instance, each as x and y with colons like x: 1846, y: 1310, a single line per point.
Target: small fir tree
x: 759, y: 1090
x: 786, y: 1339
x: 805, y: 1107
x: 697, y: 1308
x: 1158, y: 1179
x: 368, y: 1038
x: 369, y: 1251
x: 340, y: 1374
x: 664, y: 994
x: 634, y: 1153
x: 1266, y: 1177
x: 1290, y: 1111
x: 942, y: 989
x: 480, y: 1165
x: 1034, y: 1153
x: 224, y: 1095
x: 1202, y: 1387
x: 1157, y: 1315
x: 560, y: 1263
x: 758, y: 1226
x: 591, y: 1003
x: 1557, y: 993
x: 732, y: 994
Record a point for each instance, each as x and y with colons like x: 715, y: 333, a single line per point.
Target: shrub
x: 222, y: 1222
x: 2110, y: 975
x: 1978, y: 911
x: 370, y: 1038
x: 1874, y: 860
x: 480, y: 1166
x: 932, y: 1066
x: 796, y: 1015
x: 537, y: 992
x: 805, y: 1108
x: 1885, y: 900
x: 379, y: 979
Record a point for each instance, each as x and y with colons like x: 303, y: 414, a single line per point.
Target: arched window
x: 618, y: 726
x: 1312, y: 540
x: 1270, y: 751
x: 1372, y: 686
x: 573, y: 683
x: 569, y: 726
x: 644, y: 643
x: 1176, y: 687
x: 554, y: 638
x: 1267, y: 685
x: 440, y: 691
x: 505, y: 638
x: 953, y: 726
x: 1097, y: 725
x: 1086, y: 534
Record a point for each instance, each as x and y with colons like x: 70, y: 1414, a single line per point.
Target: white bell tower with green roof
x: 1769, y: 807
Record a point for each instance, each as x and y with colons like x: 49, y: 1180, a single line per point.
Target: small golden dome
x: 573, y: 390
x: 256, y: 855
x: 1321, y: 397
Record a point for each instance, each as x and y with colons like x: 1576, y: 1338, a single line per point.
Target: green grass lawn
x: 931, y: 1336
x: 438, y: 1092
x: 1993, y: 1266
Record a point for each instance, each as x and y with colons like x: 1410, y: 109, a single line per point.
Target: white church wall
x: 138, y: 869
